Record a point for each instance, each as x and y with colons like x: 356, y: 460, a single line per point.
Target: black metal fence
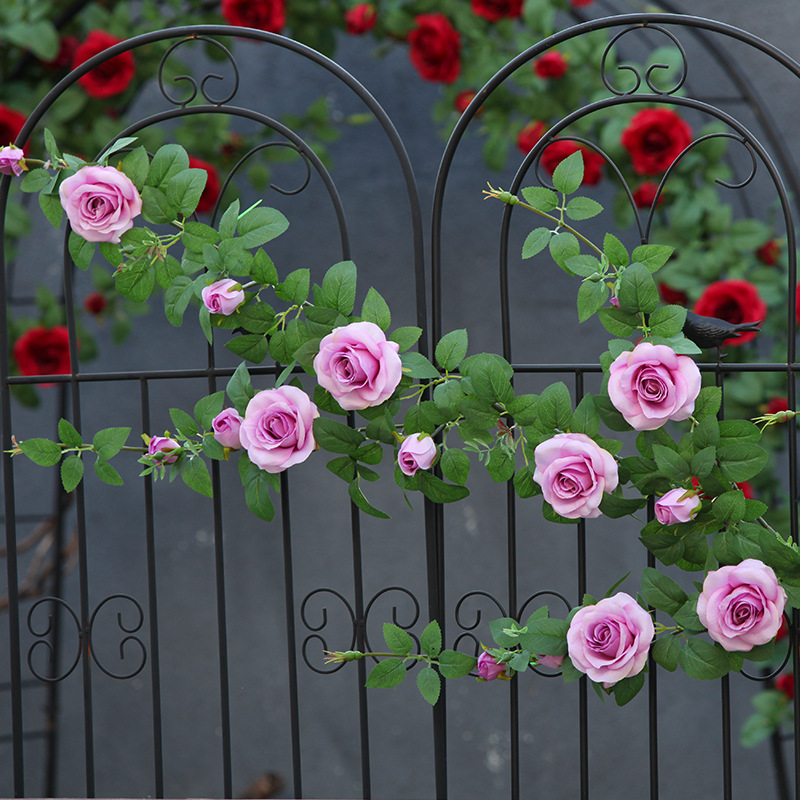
x: 187, y: 644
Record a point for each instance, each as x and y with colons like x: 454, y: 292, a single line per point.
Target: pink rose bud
x: 223, y: 296
x: 742, y: 605
x: 358, y: 366
x: 677, y: 505
x: 100, y: 202
x: 163, y: 450
x: 610, y: 640
x: 554, y: 662
x: 488, y: 668
x: 226, y: 428
x: 652, y: 384
x: 418, y: 451
x: 12, y: 160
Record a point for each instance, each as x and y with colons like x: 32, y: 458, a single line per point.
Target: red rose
x: 776, y: 405
x: 494, y: 10
x: 435, y: 48
x: 65, y: 55
x: 43, y: 351
x: 463, y: 99
x: 556, y: 152
x: 266, y: 15
x: 211, y: 192
x: 785, y: 683
x: 360, y: 19
x: 747, y: 491
x: 111, y: 77
x: 655, y: 137
x: 672, y: 297
x: 530, y: 135
x: 768, y: 253
x: 579, y: 3
x: 11, y: 123
x: 551, y: 65
x: 95, y: 303
x: 735, y: 301
x: 645, y: 194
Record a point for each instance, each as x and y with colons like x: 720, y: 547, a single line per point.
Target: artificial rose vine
x: 540, y: 441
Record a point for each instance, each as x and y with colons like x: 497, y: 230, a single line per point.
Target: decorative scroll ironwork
x: 41, y: 635
x: 137, y: 626
x: 316, y: 637
x: 395, y: 619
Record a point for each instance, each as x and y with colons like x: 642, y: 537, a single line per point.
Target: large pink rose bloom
x: 742, y: 605
x: 277, y: 430
x: 574, y: 472
x: 358, y: 366
x: 101, y: 203
x: 651, y: 384
x: 610, y: 640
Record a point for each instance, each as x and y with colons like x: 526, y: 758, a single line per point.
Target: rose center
x: 655, y: 141
x: 730, y: 311
x: 573, y: 481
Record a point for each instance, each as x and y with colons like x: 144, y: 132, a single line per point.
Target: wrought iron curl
x: 316, y: 637
x: 648, y: 76
x: 395, y: 619
x: 192, y: 81
x: 42, y: 642
x: 535, y: 596
x: 135, y: 628
x: 478, y: 613
x: 768, y: 676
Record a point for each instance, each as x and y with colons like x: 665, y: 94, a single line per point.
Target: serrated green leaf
x: 555, y: 408
x: 295, y: 287
x: 661, y: 592
x: 540, y: 198
x: 667, y: 321
x: 51, y: 206
x: 671, y: 464
x: 361, y: 502
x: 453, y: 664
x: 206, y: 408
x: 591, y: 298
x: 437, y: 490
x: 583, y: 208
x: 637, y: 290
x: 615, y: 251
x: 415, y: 365
x: 564, y: 246
x: 397, y: 640
x: 71, y: 472
x: 337, y: 438
x: 168, y: 161
x: 109, y: 441
x: 68, y: 435
x: 708, y: 402
x: 339, y: 287
x: 568, y: 175
x: 261, y: 225
x: 626, y: 689
x: 742, y: 461
x: 431, y: 639
x: 455, y: 466
x: 429, y: 684
x: 705, y: 661
x: 196, y: 476
x: 81, y: 251
x: 240, y: 389
x: 535, y: 242
x: 653, y: 256
x: 136, y: 281
x: 252, y: 346
x: 107, y: 473
x: 452, y: 349
x: 386, y: 674
x: 729, y: 508
x: 184, y: 190
x: 665, y: 652
x: 375, y: 309
x: 546, y: 637
x: 406, y: 337
x: 618, y: 322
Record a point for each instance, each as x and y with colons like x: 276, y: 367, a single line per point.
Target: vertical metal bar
x: 291, y: 637
x: 512, y: 612
x: 652, y: 686
x: 152, y: 595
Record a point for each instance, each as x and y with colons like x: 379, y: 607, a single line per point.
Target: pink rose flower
x: 223, y: 296
x: 652, y: 384
x: 101, y: 203
x: 488, y: 668
x: 677, y: 505
x: 358, y: 366
x: 574, y: 472
x: 742, y: 605
x: 163, y: 450
x: 418, y: 451
x: 12, y: 160
x: 610, y: 640
x: 277, y: 430
x: 226, y: 428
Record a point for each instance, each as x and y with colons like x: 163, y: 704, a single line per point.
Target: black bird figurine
x: 709, y: 332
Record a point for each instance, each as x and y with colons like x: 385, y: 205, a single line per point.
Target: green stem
x: 565, y: 225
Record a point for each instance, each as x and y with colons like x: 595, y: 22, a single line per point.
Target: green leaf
x: 184, y: 190
x: 263, y: 270
x: 136, y: 281
x: 535, y: 242
x: 375, y: 309
x: 429, y: 684
x: 386, y: 674
x: 615, y: 506
x: 339, y: 287
x: 361, y: 502
x: 453, y: 664
x: 546, y: 637
x: 68, y: 435
x: 564, y: 246
x: 585, y: 419
x: 109, y: 441
x: 135, y: 165
x: 177, y: 298
x: 448, y: 397
x: 708, y: 402
x: 626, y: 689
x: 261, y: 225
x: 666, y: 547
x: 705, y: 661
x: 524, y: 484
x: 555, y: 408
x: 591, y: 298
x: 615, y: 251
x: 735, y: 431
x: 524, y: 408
x: 252, y: 346
x: 240, y: 389
x: 740, y: 462
x: 415, y: 365
x: 540, y: 198
x: 80, y: 250
x: 168, y: 161
x: 671, y: 464
x: 337, y: 438
x: 662, y: 592
x: 107, y: 473
x: 452, y: 349
x: 437, y: 490
x: 431, y: 640
x: 256, y: 490
x: 35, y: 180
x: 206, y: 408
x: 665, y: 651
x: 667, y: 320
x: 583, y: 208
x: 618, y: 322
x: 344, y: 467
x: 653, y: 256
x: 294, y: 288
x: 703, y: 462
x: 406, y: 337
x: 71, y: 471
x: 195, y: 475
x: 637, y: 290
x: 500, y: 464
x: 51, y: 206
x: 729, y: 508
x: 498, y: 628
x: 183, y: 423
x: 489, y: 377
x: 568, y: 175
x: 397, y: 640
x: 455, y: 466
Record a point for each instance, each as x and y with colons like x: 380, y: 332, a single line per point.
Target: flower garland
x: 701, y: 522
